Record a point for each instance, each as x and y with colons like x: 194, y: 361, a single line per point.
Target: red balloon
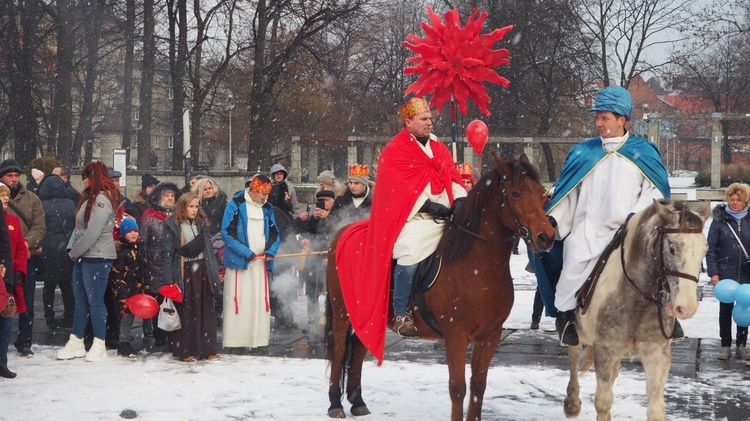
x: 143, y: 306
x: 477, y: 134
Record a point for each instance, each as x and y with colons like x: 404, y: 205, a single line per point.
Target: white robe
x: 247, y: 322
x: 592, y: 212
x: 420, y: 236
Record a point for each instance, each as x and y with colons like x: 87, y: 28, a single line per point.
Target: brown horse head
x: 522, y: 211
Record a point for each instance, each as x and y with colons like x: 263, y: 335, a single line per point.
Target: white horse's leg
x: 572, y: 404
x: 607, y: 365
x: 656, y: 359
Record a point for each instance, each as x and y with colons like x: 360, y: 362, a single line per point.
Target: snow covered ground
x: 243, y: 387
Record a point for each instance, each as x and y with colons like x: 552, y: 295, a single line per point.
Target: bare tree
x: 280, y: 29
x: 618, y: 32
x: 147, y: 80
x: 129, y: 35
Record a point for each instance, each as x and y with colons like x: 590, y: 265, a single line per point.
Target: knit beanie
x: 327, y: 178
x: 127, y: 225
x: 37, y: 174
x: 9, y: 165
x: 148, y: 180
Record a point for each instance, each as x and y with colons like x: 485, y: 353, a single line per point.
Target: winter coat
x: 725, y: 256
x: 138, y: 206
x: 20, y: 258
x: 214, y: 208
x: 130, y: 274
x: 345, y: 213
x: 151, y: 228
x: 277, y: 195
x: 59, y: 213
x: 237, y: 252
x: 73, y: 194
x: 30, y: 206
x: 172, y: 261
x: 93, y: 239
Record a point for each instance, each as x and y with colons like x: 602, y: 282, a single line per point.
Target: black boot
x: 677, y: 334
x: 566, y: 328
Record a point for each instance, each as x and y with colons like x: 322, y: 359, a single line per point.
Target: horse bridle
x: 523, y: 231
x: 662, y: 297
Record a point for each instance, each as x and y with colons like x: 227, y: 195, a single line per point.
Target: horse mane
x: 686, y: 218
x: 454, y: 244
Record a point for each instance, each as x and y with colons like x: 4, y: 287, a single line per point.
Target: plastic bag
x: 169, y: 320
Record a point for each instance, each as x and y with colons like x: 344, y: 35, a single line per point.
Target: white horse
x: 632, y: 309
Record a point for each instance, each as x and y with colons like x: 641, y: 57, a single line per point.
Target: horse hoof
x: 360, y: 410
x: 572, y: 407
x: 336, y: 413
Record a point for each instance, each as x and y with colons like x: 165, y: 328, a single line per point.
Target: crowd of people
x: 210, y: 254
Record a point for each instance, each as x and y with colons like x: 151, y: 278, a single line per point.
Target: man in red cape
x: 417, y: 188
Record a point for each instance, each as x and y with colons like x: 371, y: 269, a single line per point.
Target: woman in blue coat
x: 727, y: 258
x: 251, y: 241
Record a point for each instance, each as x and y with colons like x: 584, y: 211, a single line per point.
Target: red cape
x: 365, y: 250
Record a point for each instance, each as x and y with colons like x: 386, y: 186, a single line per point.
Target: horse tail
x: 588, y: 358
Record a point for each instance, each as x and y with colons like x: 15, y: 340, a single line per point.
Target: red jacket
x: 20, y: 257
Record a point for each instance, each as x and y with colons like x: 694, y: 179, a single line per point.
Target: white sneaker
x: 97, y: 352
x: 73, y: 349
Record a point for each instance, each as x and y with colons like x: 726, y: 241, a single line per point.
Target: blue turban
x: 615, y: 99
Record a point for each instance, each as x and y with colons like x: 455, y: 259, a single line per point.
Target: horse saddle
x: 428, y: 271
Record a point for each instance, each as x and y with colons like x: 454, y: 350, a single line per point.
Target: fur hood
x: 720, y: 214
x: 153, y: 198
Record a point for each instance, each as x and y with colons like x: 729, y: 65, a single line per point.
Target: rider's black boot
x: 566, y: 328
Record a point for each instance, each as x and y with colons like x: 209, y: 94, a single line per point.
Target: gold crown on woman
x: 359, y: 170
x: 413, y: 107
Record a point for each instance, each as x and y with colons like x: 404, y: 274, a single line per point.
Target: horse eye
x: 672, y: 251
x: 516, y: 195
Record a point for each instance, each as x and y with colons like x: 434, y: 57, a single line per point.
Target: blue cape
x: 581, y: 161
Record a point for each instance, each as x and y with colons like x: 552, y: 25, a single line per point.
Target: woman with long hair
x: 188, y: 261
x: 92, y: 248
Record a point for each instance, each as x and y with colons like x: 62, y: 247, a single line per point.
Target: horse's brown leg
x: 336, y: 357
x: 572, y: 404
x: 607, y: 365
x: 656, y: 359
x: 354, y: 378
x: 455, y: 355
x: 481, y: 357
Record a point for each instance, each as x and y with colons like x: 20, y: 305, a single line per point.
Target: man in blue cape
x: 604, y: 179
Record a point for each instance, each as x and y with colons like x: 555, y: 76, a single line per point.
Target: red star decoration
x: 455, y: 62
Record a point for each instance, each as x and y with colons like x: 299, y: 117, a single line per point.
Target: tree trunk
x: 92, y: 34
x: 147, y: 81
x: 257, y: 151
x: 127, y: 81
x: 177, y: 63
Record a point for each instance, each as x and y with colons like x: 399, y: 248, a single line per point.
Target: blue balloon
x: 742, y: 295
x: 724, y: 290
x: 741, y: 315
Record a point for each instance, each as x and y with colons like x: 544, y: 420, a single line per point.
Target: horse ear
x: 704, y: 210
x: 665, y: 212
x: 502, y: 167
x: 524, y: 158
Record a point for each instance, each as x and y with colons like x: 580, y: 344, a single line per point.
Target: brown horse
x: 647, y: 282
x: 472, y: 296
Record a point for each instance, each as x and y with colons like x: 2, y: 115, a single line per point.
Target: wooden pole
x: 312, y: 253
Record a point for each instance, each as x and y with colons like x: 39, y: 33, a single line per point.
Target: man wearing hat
x: 64, y: 173
x: 603, y: 181
x: 356, y: 201
x: 140, y: 198
x: 418, y: 188
x: 28, y: 208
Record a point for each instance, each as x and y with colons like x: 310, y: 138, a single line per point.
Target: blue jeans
x: 6, y: 324
x: 89, y: 284
x: 403, y: 281
x: 26, y: 320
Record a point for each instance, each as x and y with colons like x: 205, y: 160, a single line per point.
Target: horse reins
x: 662, y: 297
x: 523, y: 231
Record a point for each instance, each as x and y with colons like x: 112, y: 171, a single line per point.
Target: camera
x: 320, y: 204
x: 309, y: 207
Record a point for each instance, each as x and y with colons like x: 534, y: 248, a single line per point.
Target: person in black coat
x: 727, y: 258
x: 356, y: 201
x: 59, y: 212
x: 64, y: 173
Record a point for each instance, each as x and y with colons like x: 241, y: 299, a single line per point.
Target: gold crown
x: 465, y: 169
x: 258, y: 186
x: 359, y: 170
x: 413, y: 107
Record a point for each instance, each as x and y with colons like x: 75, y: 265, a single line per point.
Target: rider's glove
x: 437, y: 210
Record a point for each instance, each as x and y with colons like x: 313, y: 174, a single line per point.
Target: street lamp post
x: 230, y: 107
